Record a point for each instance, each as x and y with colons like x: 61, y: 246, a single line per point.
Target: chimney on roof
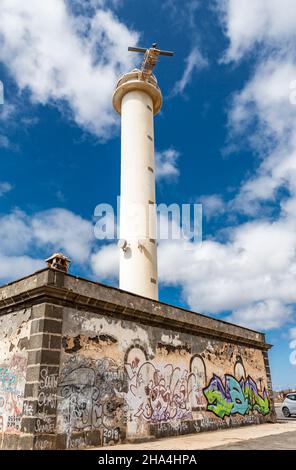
x: 58, y: 261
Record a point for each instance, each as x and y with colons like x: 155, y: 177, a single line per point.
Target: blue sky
x: 226, y: 138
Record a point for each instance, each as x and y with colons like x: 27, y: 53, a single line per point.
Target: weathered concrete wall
x: 83, y: 364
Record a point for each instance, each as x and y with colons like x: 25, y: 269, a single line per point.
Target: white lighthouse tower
x: 137, y: 98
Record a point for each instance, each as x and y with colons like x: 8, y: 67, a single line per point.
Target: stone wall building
x: 83, y: 364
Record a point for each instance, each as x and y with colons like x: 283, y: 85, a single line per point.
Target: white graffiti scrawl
x: 90, y: 397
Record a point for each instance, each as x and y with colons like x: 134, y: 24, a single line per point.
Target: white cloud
x: 105, y: 262
x: 4, y: 142
x: 254, y: 269
x: 63, y: 230
x: 15, y: 233
x: 167, y: 164
x: 252, y: 273
x: 264, y: 104
x: 65, y: 59
x: 212, y: 205
x: 14, y: 267
x: 5, y: 187
x: 15, y: 115
x: 23, y: 237
x: 292, y: 345
x: 264, y: 315
x: 193, y: 63
x: 250, y: 22
x: 292, y: 333
x: 266, y: 97
x: 15, y: 238
x: 7, y: 111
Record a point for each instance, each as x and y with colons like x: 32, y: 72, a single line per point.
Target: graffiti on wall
x: 166, y: 395
x: 137, y: 396
x: 162, y: 392
x: 235, y: 397
x: 12, y: 384
x: 46, y: 403
x: 90, y: 397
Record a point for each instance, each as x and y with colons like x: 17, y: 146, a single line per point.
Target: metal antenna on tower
x: 151, y: 56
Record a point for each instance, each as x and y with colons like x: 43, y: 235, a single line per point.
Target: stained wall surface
x: 127, y: 381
